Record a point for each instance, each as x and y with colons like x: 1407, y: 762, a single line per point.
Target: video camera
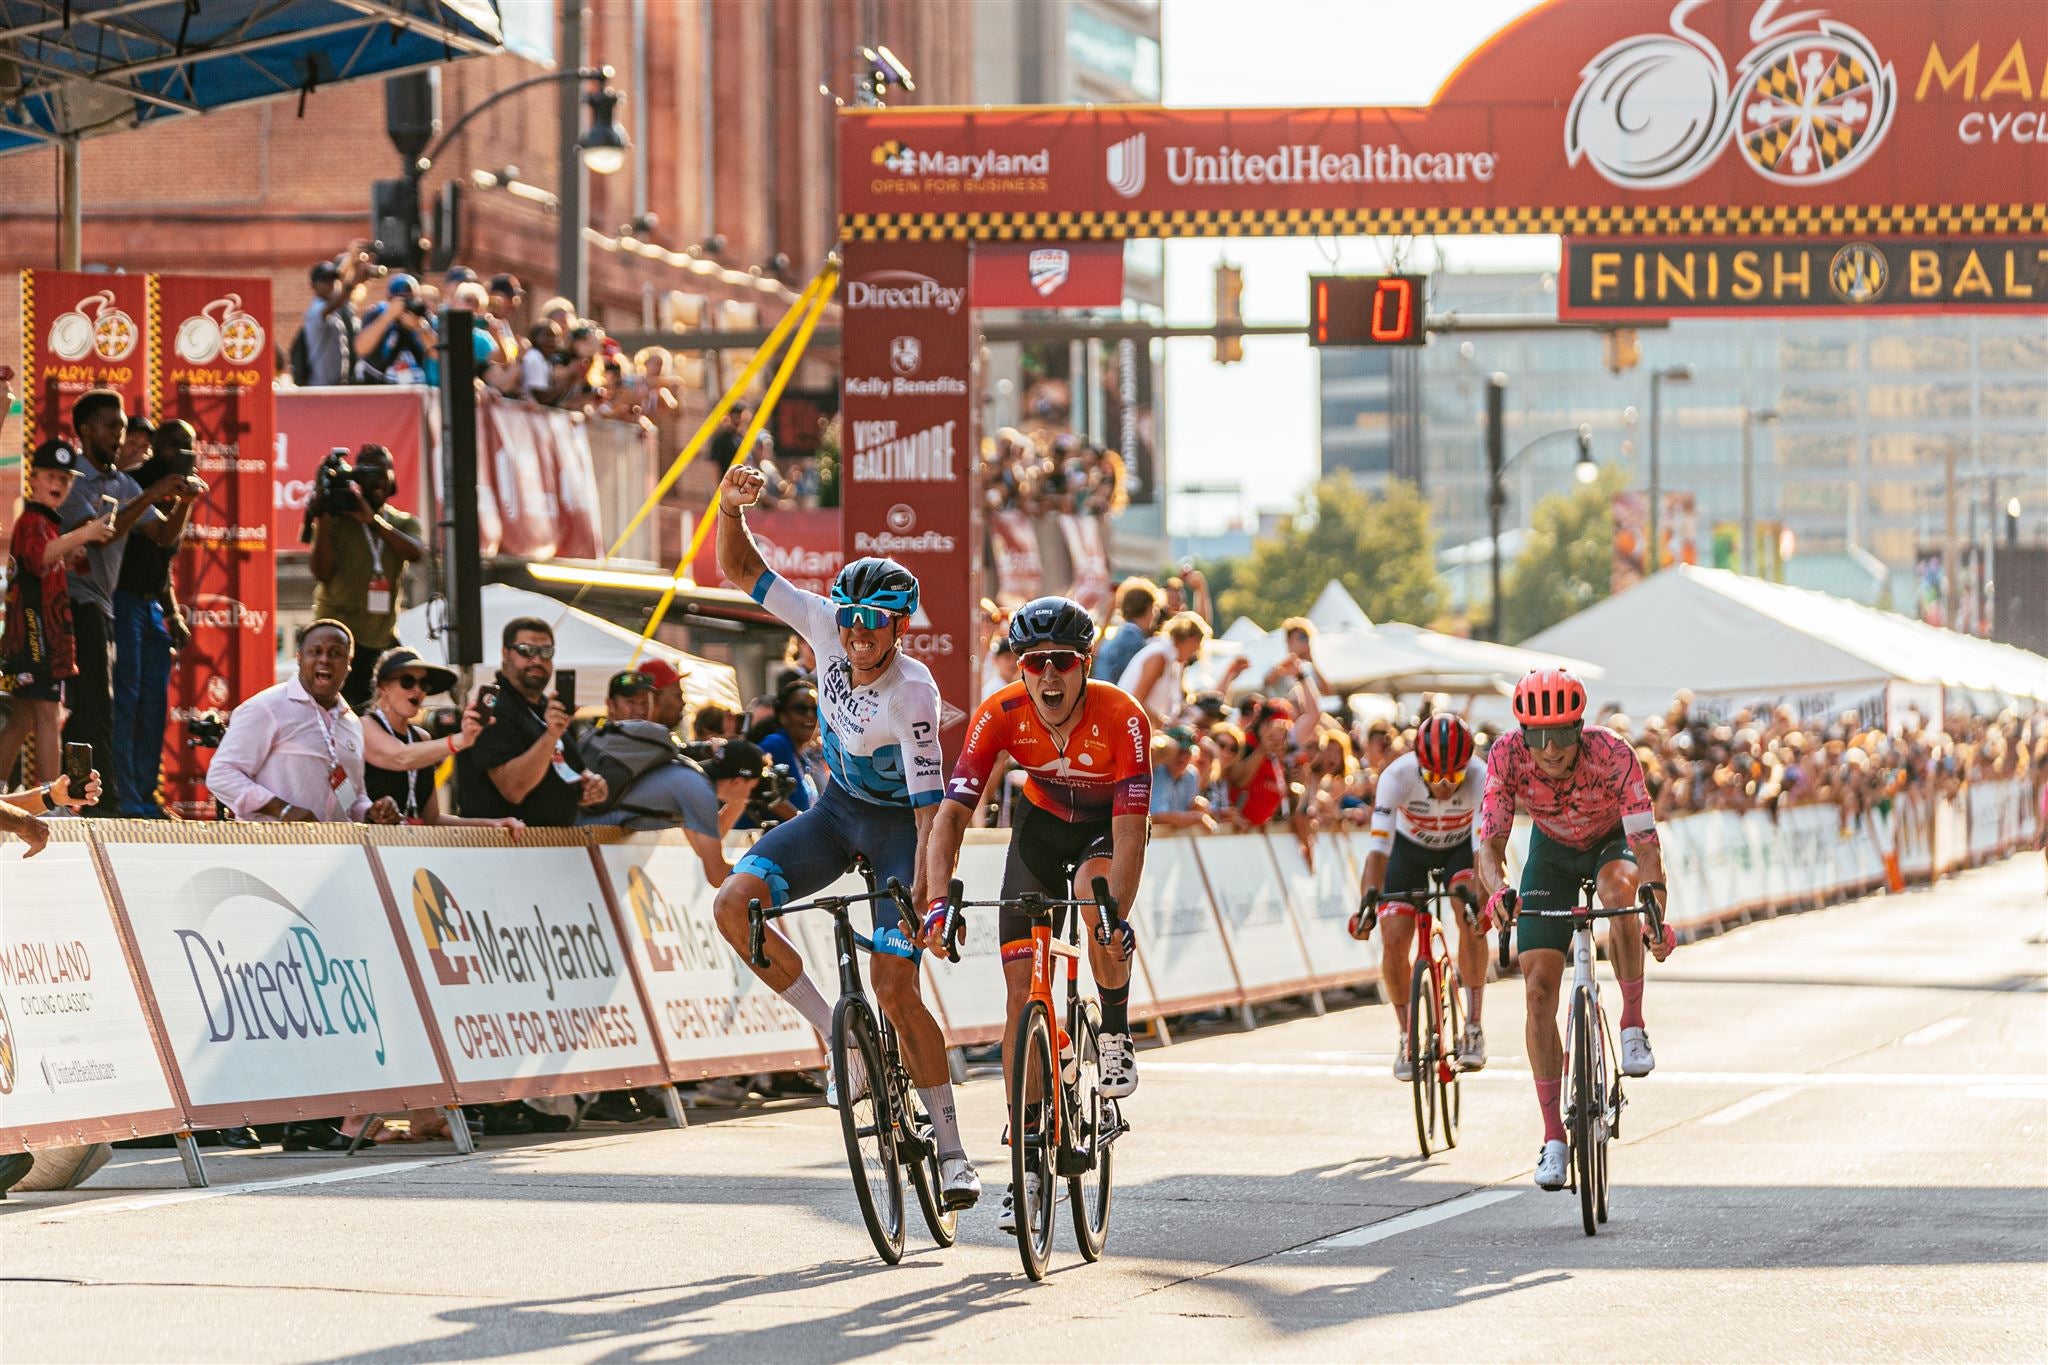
x: 335, y: 486
x: 206, y: 730
x: 771, y: 788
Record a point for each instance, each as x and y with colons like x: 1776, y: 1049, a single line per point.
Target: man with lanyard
x: 1085, y: 748
x: 880, y: 717
x: 358, y: 560
x: 1422, y: 822
x: 1590, y: 811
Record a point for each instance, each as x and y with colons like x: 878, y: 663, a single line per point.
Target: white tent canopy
x: 591, y: 645
x: 1336, y: 609
x: 1750, y: 642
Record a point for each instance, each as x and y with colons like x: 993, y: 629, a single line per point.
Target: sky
x: 1223, y: 420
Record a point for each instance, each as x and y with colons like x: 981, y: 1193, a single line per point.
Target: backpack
x: 301, y: 359
x: 623, y: 752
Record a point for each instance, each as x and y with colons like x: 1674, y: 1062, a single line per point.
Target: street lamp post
x: 1750, y: 418
x: 1676, y: 374
x: 1585, y: 471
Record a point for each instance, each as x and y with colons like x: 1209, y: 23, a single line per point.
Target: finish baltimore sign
x: 1639, y: 280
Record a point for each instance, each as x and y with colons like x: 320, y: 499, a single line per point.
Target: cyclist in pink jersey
x: 1584, y: 792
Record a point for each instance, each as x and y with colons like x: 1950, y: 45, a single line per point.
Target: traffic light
x: 395, y: 223
x: 1624, y: 351
x: 1229, y: 290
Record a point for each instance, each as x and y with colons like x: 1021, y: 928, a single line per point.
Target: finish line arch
x: 1709, y: 119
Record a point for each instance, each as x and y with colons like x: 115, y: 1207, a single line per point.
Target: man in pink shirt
x: 1583, y: 790
x: 293, y: 753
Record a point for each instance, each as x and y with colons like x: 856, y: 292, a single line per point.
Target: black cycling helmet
x: 873, y: 582
x: 1052, y: 622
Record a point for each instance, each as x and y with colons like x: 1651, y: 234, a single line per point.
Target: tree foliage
x: 1379, y: 545
x: 1568, y: 564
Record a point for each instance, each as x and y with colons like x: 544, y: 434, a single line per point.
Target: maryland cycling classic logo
x: 1808, y: 104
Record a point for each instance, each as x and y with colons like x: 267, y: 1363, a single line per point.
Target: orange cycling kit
x: 1071, y: 793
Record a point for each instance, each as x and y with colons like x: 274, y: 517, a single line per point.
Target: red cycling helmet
x: 1443, y: 744
x: 1550, y: 696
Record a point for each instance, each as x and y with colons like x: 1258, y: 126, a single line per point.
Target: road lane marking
x: 1936, y: 1031
x: 1742, y: 1109
x: 169, y: 1197
x: 1407, y: 1222
x: 1753, y: 1080
x: 2009, y: 1092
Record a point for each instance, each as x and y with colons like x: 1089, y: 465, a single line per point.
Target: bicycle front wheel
x: 868, y: 1123
x: 1585, y: 1120
x: 1610, y: 1111
x: 1094, y: 1116
x: 1423, y: 1045
x: 919, y: 1152
x: 1034, y: 1104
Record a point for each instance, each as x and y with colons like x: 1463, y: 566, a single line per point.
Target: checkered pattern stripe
x: 1642, y: 221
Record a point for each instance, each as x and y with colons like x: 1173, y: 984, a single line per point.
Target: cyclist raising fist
x: 1584, y: 792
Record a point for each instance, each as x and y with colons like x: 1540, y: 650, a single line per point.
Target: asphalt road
x: 1841, y: 1155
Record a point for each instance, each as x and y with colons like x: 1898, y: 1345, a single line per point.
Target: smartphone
x: 565, y: 688
x: 78, y: 768
x: 487, y: 702
x: 109, y: 504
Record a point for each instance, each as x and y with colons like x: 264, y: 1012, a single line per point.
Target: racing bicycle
x: 886, y: 1132
x: 1436, y: 1015
x: 1592, y: 1064
x: 1072, y: 1135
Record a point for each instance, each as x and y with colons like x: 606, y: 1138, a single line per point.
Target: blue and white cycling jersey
x: 882, y: 740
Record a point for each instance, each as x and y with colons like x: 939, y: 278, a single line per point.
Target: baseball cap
x: 1275, y: 710
x: 58, y: 455
x: 737, y: 758
x: 138, y: 423
x: 507, y: 285
x: 630, y: 682
x: 400, y: 283
x: 660, y: 673
x: 1211, y: 704
x: 459, y: 274
x: 1180, y: 735
x: 324, y: 272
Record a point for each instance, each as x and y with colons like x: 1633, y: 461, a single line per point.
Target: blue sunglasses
x: 873, y: 618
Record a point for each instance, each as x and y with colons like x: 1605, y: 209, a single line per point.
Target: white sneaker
x: 1550, y: 1164
x: 959, y: 1185
x: 1006, y: 1221
x: 1119, y: 1065
x: 860, y: 1083
x: 1636, y: 1057
x: 1404, y: 1065
x: 1472, y: 1049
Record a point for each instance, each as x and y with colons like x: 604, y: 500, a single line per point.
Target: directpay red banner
x: 218, y: 369
x: 907, y: 441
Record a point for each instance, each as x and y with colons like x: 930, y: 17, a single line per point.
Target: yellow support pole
x: 783, y: 375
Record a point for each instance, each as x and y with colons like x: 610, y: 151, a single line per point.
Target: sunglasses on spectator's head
x: 872, y: 618
x: 1058, y: 660
x: 1456, y: 779
x: 534, y: 651
x: 1552, y: 736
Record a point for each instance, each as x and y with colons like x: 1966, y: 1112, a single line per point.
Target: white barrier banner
x: 274, y: 972
x: 1253, y: 909
x: 715, y: 1017
x: 1179, y: 943
x: 526, y: 980
x: 1323, y: 899
x: 971, y: 992
x: 75, y: 1047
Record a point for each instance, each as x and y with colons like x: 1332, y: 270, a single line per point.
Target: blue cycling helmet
x: 1052, y: 622
x: 874, y: 582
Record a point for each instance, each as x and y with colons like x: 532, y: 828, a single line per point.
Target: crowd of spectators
x: 1051, y: 473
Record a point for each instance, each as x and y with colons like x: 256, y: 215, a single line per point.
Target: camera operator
x: 703, y: 789
x: 398, y: 343
x: 361, y: 547
x: 525, y: 763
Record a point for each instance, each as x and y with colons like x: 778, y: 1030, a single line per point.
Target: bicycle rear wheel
x: 1423, y: 1044
x: 1585, y: 1117
x: 1449, y: 1100
x: 868, y: 1123
x: 919, y: 1152
x: 1031, y: 1138
x: 1089, y: 1191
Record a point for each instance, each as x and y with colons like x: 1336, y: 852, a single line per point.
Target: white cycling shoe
x: 1006, y: 1221
x: 959, y: 1184
x: 1404, y: 1065
x: 1550, y: 1165
x: 1636, y: 1057
x: 860, y: 1084
x: 1119, y: 1060
x: 1472, y: 1049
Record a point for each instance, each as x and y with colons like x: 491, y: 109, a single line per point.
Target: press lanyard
x: 378, y: 597
x: 412, y: 791
x: 337, y: 775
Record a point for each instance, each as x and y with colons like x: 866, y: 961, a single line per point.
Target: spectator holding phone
x: 525, y: 764
x: 400, y: 759
x: 294, y: 753
x: 37, y: 653
x: 149, y: 630
x: 19, y: 810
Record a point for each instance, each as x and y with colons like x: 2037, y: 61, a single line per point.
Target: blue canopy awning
x: 79, y: 68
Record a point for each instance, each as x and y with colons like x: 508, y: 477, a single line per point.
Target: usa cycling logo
x: 1808, y: 104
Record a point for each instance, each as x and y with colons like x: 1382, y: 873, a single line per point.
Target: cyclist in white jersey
x: 879, y: 713
x: 1424, y: 819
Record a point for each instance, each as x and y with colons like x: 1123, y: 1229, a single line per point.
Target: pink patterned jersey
x: 1604, y: 790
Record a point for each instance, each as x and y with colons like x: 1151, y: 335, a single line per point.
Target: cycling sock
x: 938, y: 1102
x: 1548, y: 1095
x: 1473, y: 996
x: 1116, y: 1002
x: 1631, y: 1002
x: 802, y: 995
